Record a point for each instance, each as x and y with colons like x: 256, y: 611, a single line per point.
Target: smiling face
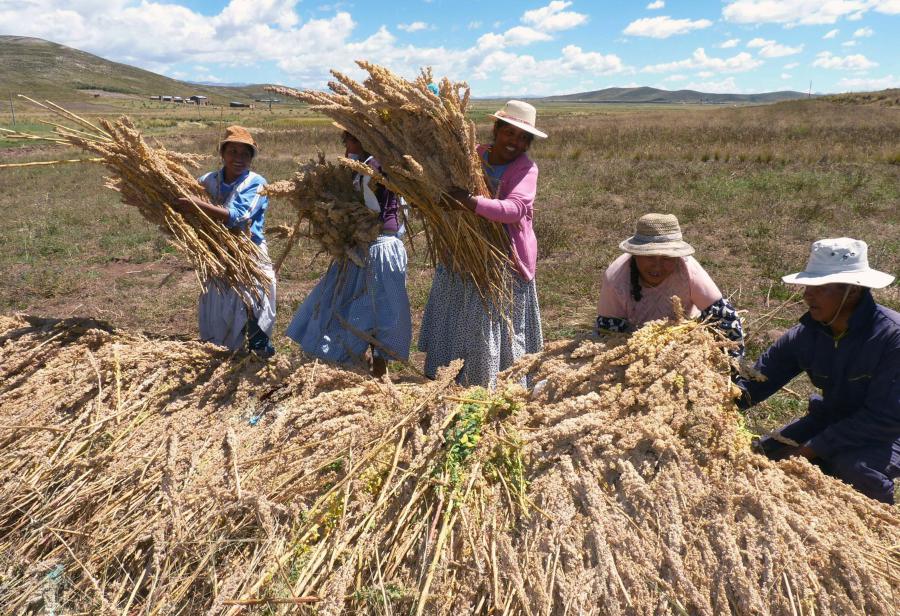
x: 510, y: 142
x: 654, y: 269
x: 236, y: 158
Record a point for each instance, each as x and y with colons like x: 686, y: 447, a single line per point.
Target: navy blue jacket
x: 858, y: 373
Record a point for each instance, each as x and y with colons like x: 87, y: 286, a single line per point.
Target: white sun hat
x: 521, y: 115
x: 839, y: 260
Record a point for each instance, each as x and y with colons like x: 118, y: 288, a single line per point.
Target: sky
x: 501, y: 48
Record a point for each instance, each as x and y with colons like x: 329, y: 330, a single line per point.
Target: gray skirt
x: 456, y: 324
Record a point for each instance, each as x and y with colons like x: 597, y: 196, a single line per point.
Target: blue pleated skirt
x: 350, y: 304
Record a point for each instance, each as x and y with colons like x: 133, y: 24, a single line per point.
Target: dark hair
x: 499, y: 123
x: 635, y: 279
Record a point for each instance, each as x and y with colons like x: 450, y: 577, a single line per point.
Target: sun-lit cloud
x: 869, y: 83
x: 856, y: 62
x: 863, y: 33
x: 793, y: 12
x: 725, y: 86
x: 791, y: 65
x: 699, y: 60
x: 664, y: 26
x: 554, y: 17
x: 415, y: 26
x: 771, y: 49
x: 658, y: 4
x: 848, y: 44
x: 729, y: 43
x: 831, y: 34
x: 786, y: 75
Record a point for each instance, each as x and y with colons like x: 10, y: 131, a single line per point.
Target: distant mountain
x: 42, y: 69
x: 655, y: 95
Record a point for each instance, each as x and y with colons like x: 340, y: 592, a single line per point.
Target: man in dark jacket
x: 849, y: 346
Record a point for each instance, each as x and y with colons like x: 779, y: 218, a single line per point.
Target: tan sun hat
x: 842, y: 260
x: 657, y: 234
x: 521, y: 115
x: 238, y: 134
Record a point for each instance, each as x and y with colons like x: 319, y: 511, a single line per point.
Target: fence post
x: 12, y: 109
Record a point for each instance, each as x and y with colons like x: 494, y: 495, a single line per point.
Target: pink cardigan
x: 514, y: 207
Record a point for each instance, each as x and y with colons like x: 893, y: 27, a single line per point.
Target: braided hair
x: 635, y: 279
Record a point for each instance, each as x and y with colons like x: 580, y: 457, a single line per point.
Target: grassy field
x: 752, y: 186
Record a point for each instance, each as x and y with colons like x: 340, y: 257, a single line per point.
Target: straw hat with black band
x: 521, y: 115
x: 657, y: 235
x: 238, y: 134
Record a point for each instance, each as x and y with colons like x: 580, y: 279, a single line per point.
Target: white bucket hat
x: 521, y: 115
x: 839, y: 260
x: 657, y: 234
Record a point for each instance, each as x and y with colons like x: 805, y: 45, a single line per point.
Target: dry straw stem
x: 324, y: 198
x: 425, y: 145
x: 625, y: 486
x: 152, y: 179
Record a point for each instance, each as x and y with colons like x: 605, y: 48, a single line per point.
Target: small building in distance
x: 155, y: 97
x: 199, y: 99
x: 238, y: 104
x: 167, y: 99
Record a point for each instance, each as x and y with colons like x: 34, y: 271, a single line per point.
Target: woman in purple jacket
x: 456, y: 323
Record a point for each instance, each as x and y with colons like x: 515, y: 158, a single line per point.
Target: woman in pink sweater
x: 456, y: 323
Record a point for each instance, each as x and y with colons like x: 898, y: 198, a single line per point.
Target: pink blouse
x: 689, y: 281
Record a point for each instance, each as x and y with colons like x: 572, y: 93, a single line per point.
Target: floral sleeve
x: 728, y: 321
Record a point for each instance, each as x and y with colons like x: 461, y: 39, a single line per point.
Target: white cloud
x: 525, y: 69
x: 474, y: 25
x: 726, y: 86
x: 523, y: 35
x: 658, y: 4
x: 786, y: 75
x: 730, y: 43
x: 415, y: 26
x: 791, y: 65
x: 792, y: 12
x: 675, y: 78
x: 664, y: 26
x: 848, y: 44
x: 831, y: 34
x: 856, y: 62
x: 699, y: 60
x: 868, y: 84
x: 771, y: 49
x: 863, y: 32
x: 705, y: 74
x: 889, y: 7
x: 553, y: 17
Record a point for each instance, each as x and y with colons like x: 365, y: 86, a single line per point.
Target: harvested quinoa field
x: 144, y: 473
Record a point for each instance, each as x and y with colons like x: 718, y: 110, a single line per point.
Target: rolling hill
x: 655, y: 95
x: 43, y: 69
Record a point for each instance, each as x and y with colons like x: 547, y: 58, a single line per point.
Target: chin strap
x: 838, y: 311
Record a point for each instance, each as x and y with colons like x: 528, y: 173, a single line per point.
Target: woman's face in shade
x: 510, y: 142
x: 236, y: 158
x: 654, y: 269
x: 351, y: 145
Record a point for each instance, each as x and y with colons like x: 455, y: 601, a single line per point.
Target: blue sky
x: 501, y: 48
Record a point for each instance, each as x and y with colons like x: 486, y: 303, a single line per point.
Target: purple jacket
x: 514, y: 207
x: 859, y: 375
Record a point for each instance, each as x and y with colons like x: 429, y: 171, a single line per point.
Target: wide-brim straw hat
x: 839, y: 260
x: 238, y: 134
x: 657, y: 235
x: 521, y: 115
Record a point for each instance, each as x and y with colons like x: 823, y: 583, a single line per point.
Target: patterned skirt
x: 457, y: 324
x: 350, y: 306
x: 223, y: 312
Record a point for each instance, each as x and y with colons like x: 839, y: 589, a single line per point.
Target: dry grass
x: 323, y: 196
x: 139, y: 475
x: 425, y: 145
x: 152, y: 180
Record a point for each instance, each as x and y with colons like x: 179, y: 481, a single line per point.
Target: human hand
x: 462, y: 196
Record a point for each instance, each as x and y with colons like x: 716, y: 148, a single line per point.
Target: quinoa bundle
x: 425, y: 145
x: 324, y: 197
x: 152, y: 179
x: 151, y: 476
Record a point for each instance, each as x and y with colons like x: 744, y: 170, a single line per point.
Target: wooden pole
x: 12, y: 109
